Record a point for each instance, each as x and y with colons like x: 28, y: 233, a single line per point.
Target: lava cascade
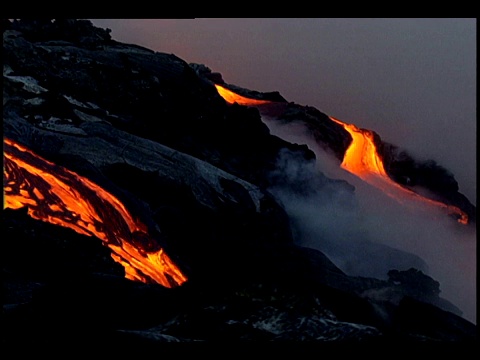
x: 361, y: 159
x: 59, y: 196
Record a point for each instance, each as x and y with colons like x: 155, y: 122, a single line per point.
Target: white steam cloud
x: 369, y: 233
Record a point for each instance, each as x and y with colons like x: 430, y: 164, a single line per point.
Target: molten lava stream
x: 362, y: 160
x: 230, y: 97
x: 59, y: 196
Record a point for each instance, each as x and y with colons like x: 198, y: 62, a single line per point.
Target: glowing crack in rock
x: 59, y: 196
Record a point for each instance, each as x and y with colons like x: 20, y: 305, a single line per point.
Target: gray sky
x: 411, y: 80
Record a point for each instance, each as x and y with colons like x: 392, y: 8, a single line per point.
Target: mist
x: 371, y: 233
x: 412, y: 81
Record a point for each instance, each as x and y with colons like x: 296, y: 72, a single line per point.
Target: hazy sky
x: 411, y: 80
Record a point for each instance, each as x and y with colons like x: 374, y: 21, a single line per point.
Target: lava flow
x: 362, y: 160
x: 59, y: 196
x: 231, y: 97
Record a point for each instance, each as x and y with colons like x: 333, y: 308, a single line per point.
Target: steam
x: 366, y: 233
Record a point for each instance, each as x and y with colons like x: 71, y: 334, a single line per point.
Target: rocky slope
x: 424, y: 177
x: 152, y: 130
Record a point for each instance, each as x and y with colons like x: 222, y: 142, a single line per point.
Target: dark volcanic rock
x: 147, y: 128
x: 152, y: 95
x: 424, y: 177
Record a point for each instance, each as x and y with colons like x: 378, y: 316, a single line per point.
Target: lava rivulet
x: 59, y: 196
x: 361, y: 156
x: 231, y: 97
x: 361, y: 159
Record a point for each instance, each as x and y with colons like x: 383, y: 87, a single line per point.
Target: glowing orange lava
x: 361, y: 156
x: 230, y: 97
x: 59, y: 196
x: 362, y: 160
